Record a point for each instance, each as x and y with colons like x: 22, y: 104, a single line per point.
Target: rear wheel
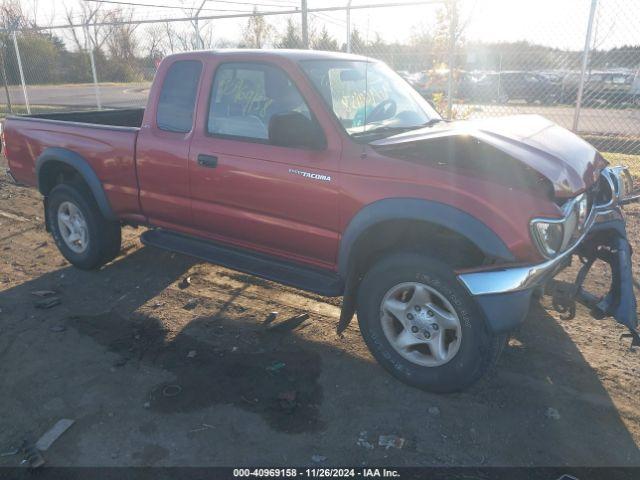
x: 83, y: 235
x: 422, y: 326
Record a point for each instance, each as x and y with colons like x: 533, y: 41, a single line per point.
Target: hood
x: 569, y: 163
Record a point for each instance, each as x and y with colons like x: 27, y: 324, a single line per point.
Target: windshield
x: 368, y: 97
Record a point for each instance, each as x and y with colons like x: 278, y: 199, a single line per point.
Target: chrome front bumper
x: 515, y: 279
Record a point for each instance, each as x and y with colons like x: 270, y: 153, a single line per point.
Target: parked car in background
x: 429, y: 82
x: 478, y: 86
x: 634, y: 91
x: 601, y: 87
x: 528, y: 86
x: 502, y: 87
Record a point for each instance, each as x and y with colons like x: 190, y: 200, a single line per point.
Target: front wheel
x: 82, y: 234
x: 422, y: 326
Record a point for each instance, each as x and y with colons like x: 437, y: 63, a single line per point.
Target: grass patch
x: 631, y: 161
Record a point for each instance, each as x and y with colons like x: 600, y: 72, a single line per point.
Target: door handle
x: 208, y: 161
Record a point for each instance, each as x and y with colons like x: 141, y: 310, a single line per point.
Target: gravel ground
x: 157, y: 371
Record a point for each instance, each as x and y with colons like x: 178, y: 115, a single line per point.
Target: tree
x: 358, y: 45
x: 94, y: 35
x: 292, y: 37
x: 41, y: 52
x: 324, y: 41
x: 257, y: 31
x: 13, y: 17
x: 122, y: 43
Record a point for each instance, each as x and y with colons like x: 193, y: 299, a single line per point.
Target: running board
x: 287, y: 273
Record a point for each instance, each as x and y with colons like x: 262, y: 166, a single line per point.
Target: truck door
x: 163, y: 146
x: 251, y: 189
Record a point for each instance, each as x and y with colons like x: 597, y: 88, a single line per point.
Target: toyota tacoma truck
x: 329, y: 173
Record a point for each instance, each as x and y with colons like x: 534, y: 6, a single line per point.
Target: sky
x: 556, y: 23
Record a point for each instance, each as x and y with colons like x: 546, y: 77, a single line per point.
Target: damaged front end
x: 606, y: 240
x: 596, y: 227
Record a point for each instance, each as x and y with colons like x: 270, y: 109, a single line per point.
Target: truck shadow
x: 307, y: 381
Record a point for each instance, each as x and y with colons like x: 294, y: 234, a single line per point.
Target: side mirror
x: 293, y: 129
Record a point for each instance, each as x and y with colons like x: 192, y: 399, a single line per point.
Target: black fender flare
x: 80, y: 165
x: 437, y: 213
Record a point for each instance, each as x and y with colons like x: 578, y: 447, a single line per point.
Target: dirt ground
x: 158, y: 372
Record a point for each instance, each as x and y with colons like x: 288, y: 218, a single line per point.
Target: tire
x: 477, y: 349
x: 103, y: 236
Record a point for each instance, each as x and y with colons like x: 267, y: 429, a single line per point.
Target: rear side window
x: 178, y: 96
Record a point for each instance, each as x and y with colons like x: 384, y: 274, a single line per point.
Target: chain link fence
x: 576, y: 64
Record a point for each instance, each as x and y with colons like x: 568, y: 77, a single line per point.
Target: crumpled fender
x: 620, y: 302
x: 608, y: 242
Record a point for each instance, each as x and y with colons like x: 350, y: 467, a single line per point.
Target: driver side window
x: 245, y: 97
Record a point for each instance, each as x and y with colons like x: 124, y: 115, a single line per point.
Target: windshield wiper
x: 396, y: 129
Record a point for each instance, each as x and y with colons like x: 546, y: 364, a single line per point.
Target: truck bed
x: 105, y: 140
x: 131, y: 117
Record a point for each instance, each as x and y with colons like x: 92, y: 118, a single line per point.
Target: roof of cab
x: 295, y: 55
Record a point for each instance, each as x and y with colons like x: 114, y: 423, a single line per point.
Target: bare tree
x: 91, y: 15
x: 155, y: 41
x: 12, y: 16
x: 257, y: 32
x: 122, y: 42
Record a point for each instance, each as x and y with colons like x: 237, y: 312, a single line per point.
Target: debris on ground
x: 363, y: 441
x: 287, y: 400
x: 318, y: 458
x: 391, y: 441
x: 185, y: 283
x: 33, y: 457
x: 289, y: 323
x: 191, y: 304
x: 43, y: 293
x: 121, y: 362
x: 57, y: 328
x: 146, y: 404
x: 11, y: 216
x: 202, y: 427
x: 47, y: 302
x: 46, y: 440
x: 13, y: 451
x: 434, y: 411
x: 276, y: 367
x: 171, y: 390
x: 270, y: 318
x: 552, y: 413
x: 192, y: 354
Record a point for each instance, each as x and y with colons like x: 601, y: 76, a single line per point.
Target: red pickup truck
x: 328, y: 172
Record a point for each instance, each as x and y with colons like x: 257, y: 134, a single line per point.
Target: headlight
x: 554, y: 235
x: 620, y: 182
x: 582, y: 209
x: 549, y: 236
x: 625, y: 183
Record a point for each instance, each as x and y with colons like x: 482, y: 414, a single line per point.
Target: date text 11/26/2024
x: 316, y: 472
